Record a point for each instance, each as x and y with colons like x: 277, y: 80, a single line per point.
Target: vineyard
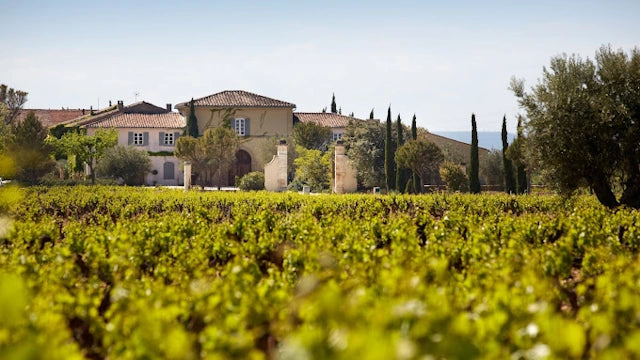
x: 132, y: 273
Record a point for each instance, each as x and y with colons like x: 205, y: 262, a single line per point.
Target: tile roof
x: 49, y: 118
x: 325, y: 119
x: 137, y: 108
x: 169, y: 120
x: 237, y: 98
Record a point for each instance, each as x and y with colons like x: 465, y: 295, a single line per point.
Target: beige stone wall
x: 275, y: 171
x: 345, y: 180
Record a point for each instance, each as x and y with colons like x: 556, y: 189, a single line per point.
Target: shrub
x: 251, y: 181
x: 125, y: 162
x: 454, y: 177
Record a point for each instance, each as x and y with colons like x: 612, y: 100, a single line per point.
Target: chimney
x: 169, y: 107
x: 109, y: 103
x: 120, y: 105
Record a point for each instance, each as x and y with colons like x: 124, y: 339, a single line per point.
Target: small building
x: 146, y: 127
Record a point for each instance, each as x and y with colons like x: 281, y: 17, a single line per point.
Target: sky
x: 441, y: 60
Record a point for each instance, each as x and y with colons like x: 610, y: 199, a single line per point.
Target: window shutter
x: 246, y: 127
x: 232, y: 121
x: 145, y: 139
x: 176, y: 135
x: 161, y: 138
x: 130, y: 138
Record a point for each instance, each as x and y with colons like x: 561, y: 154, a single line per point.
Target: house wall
x: 154, y: 145
x: 265, y: 123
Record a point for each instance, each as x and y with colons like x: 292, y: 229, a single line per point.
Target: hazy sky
x: 442, y: 60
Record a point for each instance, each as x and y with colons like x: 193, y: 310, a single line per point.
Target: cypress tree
x: 371, y: 115
x: 389, y: 161
x: 521, y: 171
x: 509, y: 182
x: 474, y: 179
x: 334, y: 107
x: 400, y: 173
x: 192, y: 122
x: 414, y: 136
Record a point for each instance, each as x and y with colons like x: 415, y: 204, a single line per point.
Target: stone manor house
x: 256, y: 118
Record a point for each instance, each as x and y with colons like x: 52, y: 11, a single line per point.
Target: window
x: 337, y: 136
x: 138, y: 139
x: 240, y: 126
x: 168, y: 138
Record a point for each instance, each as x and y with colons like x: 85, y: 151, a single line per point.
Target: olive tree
x: 584, y: 124
x: 423, y: 158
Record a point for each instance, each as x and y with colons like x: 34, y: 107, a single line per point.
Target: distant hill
x: 486, y: 139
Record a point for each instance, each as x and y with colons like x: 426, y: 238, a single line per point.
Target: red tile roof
x: 49, y: 118
x: 325, y: 119
x: 237, y: 98
x: 165, y: 121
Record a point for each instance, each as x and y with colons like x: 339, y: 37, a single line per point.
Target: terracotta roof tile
x: 237, y: 98
x: 165, y: 121
x: 49, y: 118
x: 325, y: 119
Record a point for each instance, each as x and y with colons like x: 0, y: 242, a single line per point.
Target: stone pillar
x: 345, y: 180
x: 187, y: 175
x: 275, y: 172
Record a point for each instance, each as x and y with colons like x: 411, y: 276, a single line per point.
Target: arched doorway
x: 240, y: 167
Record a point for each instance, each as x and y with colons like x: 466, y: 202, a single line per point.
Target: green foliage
x: 389, y: 151
x: 313, y: 168
x: 365, y: 143
x: 334, y: 107
x: 515, y: 153
x: 86, y: 149
x: 582, y: 124
x: 129, y: 273
x: 11, y: 102
x: 125, y: 162
x: 507, y: 166
x: 311, y: 135
x: 211, y: 154
x: 29, y: 151
x: 454, y: 177
x: 251, y: 181
x: 401, y: 174
x: 423, y: 158
x: 491, y: 168
x: 59, y: 130
x: 474, y: 166
x: 192, y: 121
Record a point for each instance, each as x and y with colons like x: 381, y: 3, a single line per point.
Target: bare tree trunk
x: 603, y: 192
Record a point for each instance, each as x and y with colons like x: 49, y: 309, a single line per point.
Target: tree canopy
x: 11, y: 102
x: 311, y: 135
x: 583, y: 124
x: 125, y: 162
x: 423, y: 158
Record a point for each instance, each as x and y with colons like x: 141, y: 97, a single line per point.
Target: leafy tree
x: 365, y: 143
x: 29, y: 151
x: 424, y: 158
x: 507, y: 166
x: 251, y: 181
x: 491, y: 168
x: 311, y: 135
x: 313, y: 168
x: 583, y: 124
x: 334, y: 107
x: 454, y: 177
x: 474, y: 166
x: 13, y: 100
x: 389, y: 151
x: 87, y: 149
x: 192, y: 121
x: 125, y: 162
x: 400, y: 173
x: 515, y: 153
x: 414, y: 136
x: 211, y: 154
